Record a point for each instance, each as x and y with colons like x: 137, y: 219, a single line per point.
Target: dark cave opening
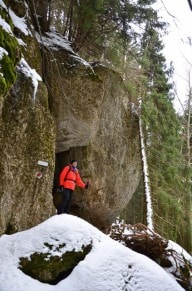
x: 62, y: 159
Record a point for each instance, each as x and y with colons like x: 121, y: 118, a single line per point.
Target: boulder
x: 51, y: 269
x: 95, y: 125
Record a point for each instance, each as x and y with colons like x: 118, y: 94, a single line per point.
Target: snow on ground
x: 108, y: 267
x: 174, y: 246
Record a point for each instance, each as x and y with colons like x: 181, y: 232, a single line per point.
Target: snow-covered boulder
x: 108, y: 266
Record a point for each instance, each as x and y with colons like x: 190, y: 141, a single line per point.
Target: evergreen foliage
x: 101, y: 28
x: 163, y: 141
x: 186, y: 121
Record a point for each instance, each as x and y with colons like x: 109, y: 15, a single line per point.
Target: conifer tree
x: 187, y: 152
x: 163, y: 140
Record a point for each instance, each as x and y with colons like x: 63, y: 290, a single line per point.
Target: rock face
x: 91, y: 109
x: 94, y: 125
x: 27, y: 136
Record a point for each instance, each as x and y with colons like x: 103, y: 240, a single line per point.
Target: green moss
x: 52, y: 269
x: 8, y: 62
x: 3, y: 85
x: 8, y: 70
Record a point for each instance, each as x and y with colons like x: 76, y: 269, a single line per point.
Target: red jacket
x: 69, y: 177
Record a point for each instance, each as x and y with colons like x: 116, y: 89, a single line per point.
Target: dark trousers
x: 64, y: 205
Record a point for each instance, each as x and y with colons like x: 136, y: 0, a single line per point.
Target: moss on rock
x: 9, y: 60
x: 52, y: 269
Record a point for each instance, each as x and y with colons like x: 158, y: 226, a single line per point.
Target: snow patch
x: 2, y: 52
x: 54, y: 41
x: 20, y: 23
x: 85, y: 63
x: 174, y: 246
x: 5, y: 25
x: 2, y: 4
x: 21, y: 42
x: 30, y: 73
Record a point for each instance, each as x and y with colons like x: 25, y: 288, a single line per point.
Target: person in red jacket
x: 68, y: 179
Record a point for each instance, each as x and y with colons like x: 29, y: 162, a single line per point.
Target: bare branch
x: 174, y: 18
x: 190, y: 4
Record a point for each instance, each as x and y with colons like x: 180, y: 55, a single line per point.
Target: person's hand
x: 87, y: 185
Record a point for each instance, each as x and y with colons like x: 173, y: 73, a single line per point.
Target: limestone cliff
x: 79, y: 111
x: 27, y: 136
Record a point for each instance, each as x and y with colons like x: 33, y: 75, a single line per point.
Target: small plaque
x: 42, y: 163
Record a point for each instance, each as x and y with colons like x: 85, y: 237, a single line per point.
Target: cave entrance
x: 62, y: 159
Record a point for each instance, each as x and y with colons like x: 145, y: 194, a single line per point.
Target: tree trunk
x: 146, y: 175
x: 40, y: 13
x: 189, y: 163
